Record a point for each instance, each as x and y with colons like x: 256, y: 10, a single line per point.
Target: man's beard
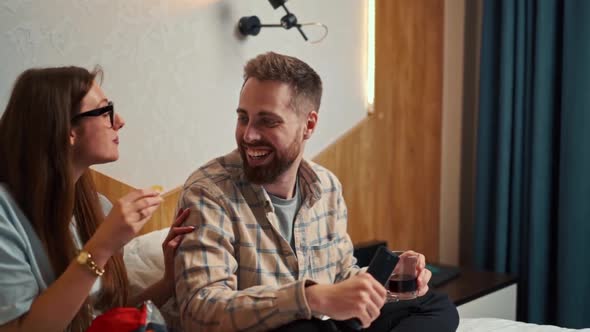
x: 280, y: 162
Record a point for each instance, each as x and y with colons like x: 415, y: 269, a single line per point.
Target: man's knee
x: 441, y: 306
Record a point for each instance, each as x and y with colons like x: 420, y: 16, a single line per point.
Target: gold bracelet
x: 85, y: 258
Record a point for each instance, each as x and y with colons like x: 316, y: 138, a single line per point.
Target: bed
x: 502, y: 325
x: 145, y: 265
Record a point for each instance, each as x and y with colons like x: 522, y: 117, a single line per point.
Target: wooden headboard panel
x: 114, y: 189
x: 390, y: 164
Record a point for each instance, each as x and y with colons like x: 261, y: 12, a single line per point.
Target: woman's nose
x: 119, y: 121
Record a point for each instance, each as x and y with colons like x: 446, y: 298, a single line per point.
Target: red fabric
x: 120, y: 320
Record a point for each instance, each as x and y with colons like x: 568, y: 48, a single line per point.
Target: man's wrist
x: 314, y: 300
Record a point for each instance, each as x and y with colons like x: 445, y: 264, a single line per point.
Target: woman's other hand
x: 170, y: 245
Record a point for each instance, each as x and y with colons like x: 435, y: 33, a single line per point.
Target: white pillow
x: 144, y: 262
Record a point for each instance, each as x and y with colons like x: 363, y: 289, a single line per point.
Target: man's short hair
x: 305, y: 83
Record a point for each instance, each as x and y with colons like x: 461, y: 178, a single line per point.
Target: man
x: 270, y: 249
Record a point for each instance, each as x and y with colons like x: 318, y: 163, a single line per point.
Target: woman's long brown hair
x: 37, y: 170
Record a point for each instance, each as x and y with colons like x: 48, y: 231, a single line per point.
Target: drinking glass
x: 403, y: 282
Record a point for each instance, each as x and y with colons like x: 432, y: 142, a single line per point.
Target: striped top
x: 236, y: 272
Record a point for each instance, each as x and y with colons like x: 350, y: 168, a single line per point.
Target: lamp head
x: 249, y: 25
x: 277, y: 3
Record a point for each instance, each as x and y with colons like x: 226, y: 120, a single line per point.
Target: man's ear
x: 311, y: 122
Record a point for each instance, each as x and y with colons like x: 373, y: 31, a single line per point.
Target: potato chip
x: 157, y: 188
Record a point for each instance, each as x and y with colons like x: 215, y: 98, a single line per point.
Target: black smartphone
x: 382, y: 265
x: 381, y: 268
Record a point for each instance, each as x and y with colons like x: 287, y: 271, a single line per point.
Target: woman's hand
x: 125, y: 220
x: 170, y: 245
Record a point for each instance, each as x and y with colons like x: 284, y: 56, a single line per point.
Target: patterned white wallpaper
x: 174, y: 67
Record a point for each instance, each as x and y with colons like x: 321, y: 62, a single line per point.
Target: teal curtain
x: 532, y: 214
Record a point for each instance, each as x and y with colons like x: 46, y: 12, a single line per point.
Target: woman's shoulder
x: 4, y: 193
x: 16, y: 230
x: 8, y: 208
x: 13, y: 222
x: 21, y: 252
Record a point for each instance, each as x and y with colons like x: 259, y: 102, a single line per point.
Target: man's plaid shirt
x: 235, y: 271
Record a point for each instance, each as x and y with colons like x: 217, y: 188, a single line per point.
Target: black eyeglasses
x: 98, y: 112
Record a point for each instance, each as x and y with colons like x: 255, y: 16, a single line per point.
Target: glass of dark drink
x: 403, y: 283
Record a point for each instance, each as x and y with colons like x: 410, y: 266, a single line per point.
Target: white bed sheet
x: 503, y: 325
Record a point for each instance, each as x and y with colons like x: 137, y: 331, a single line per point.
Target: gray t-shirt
x: 286, y: 211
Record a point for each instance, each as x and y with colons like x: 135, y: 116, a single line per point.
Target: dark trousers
x: 431, y: 312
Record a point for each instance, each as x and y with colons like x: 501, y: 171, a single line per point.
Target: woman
x: 60, y: 256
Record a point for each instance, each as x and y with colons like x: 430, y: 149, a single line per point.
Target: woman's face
x: 93, y: 138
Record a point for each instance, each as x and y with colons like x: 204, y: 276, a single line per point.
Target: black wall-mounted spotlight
x: 250, y: 25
